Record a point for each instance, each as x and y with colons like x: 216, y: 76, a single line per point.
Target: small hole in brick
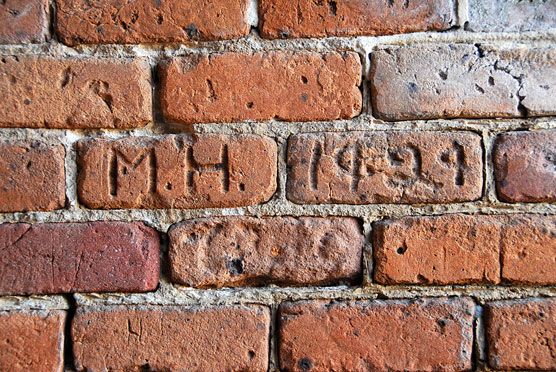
x: 3, y: 60
x: 251, y: 354
x: 304, y: 97
x: 235, y: 266
x: 443, y: 75
x: 304, y: 80
x: 401, y: 250
x: 250, y: 105
x: 305, y: 364
x: 28, y: 165
x: 168, y: 186
x: 491, y: 81
x: 242, y: 186
x: 124, y: 171
x: 159, y: 19
x: 27, y: 101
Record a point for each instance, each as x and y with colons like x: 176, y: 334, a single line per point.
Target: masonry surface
x: 363, y: 185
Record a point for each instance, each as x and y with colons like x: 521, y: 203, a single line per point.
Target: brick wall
x: 274, y: 185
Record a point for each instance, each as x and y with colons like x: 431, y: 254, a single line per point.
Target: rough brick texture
x: 511, y: 15
x: 522, y: 334
x: 291, y: 86
x: 525, y: 166
x: 238, y: 251
x: 32, y: 177
x: 149, y: 21
x: 78, y: 257
x: 460, y: 249
x: 375, y: 167
x: 181, y: 171
x: 423, y: 335
x: 231, y: 338
x: 32, y: 341
x: 23, y: 21
x: 309, y: 18
x: 458, y: 80
x: 48, y: 92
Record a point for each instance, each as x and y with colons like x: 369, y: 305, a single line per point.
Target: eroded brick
x: 422, y: 335
x: 32, y: 340
x: 46, y: 92
x: 32, y: 177
x: 309, y: 18
x: 227, y: 338
x: 177, y: 171
x: 459, y: 80
x: 525, y: 166
x: 235, y: 251
x: 522, y: 334
x: 23, y: 21
x: 78, y: 257
x: 511, y: 15
x: 291, y: 86
x: 380, y: 167
x: 148, y: 21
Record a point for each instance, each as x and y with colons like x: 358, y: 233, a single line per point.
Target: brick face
x: 228, y: 338
x: 75, y: 93
x: 32, y: 340
x: 181, y: 171
x: 78, y: 257
x: 290, y: 86
x: 23, y: 21
x: 239, y: 251
x: 522, y: 334
x: 459, y: 249
x: 525, y: 166
x: 147, y: 21
x: 511, y: 15
x: 365, y: 168
x: 307, y: 18
x: 424, y: 335
x: 462, y: 81
x: 32, y: 177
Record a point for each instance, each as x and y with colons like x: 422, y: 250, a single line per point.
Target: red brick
x: 511, y: 15
x: 462, y: 81
x: 290, y: 86
x: 522, y: 334
x: 32, y: 341
x: 525, y: 166
x: 309, y: 18
x: 380, y: 167
x: 422, y: 335
x: 452, y: 249
x: 78, y: 257
x: 147, y: 21
x: 177, y: 171
x: 236, y: 251
x: 32, y: 177
x: 529, y: 250
x: 170, y: 338
x: 23, y: 21
x: 46, y: 92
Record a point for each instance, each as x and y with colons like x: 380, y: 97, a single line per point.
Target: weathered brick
x: 32, y: 341
x: 46, y: 92
x: 149, y: 21
x: 522, y: 334
x: 525, y: 166
x: 452, y: 249
x: 380, y: 167
x: 309, y: 18
x: 511, y: 15
x: 291, y: 86
x: 78, y: 257
x: 234, y: 251
x: 170, y: 338
x: 528, y: 250
x: 32, y: 177
x: 458, y: 80
x: 23, y: 21
x: 423, y: 335
x: 177, y: 171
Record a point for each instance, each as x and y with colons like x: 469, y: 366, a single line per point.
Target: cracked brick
x: 462, y: 81
x: 289, y: 86
x: 78, y: 257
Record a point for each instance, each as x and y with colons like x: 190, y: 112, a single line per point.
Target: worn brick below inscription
x: 379, y: 167
x: 177, y: 171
